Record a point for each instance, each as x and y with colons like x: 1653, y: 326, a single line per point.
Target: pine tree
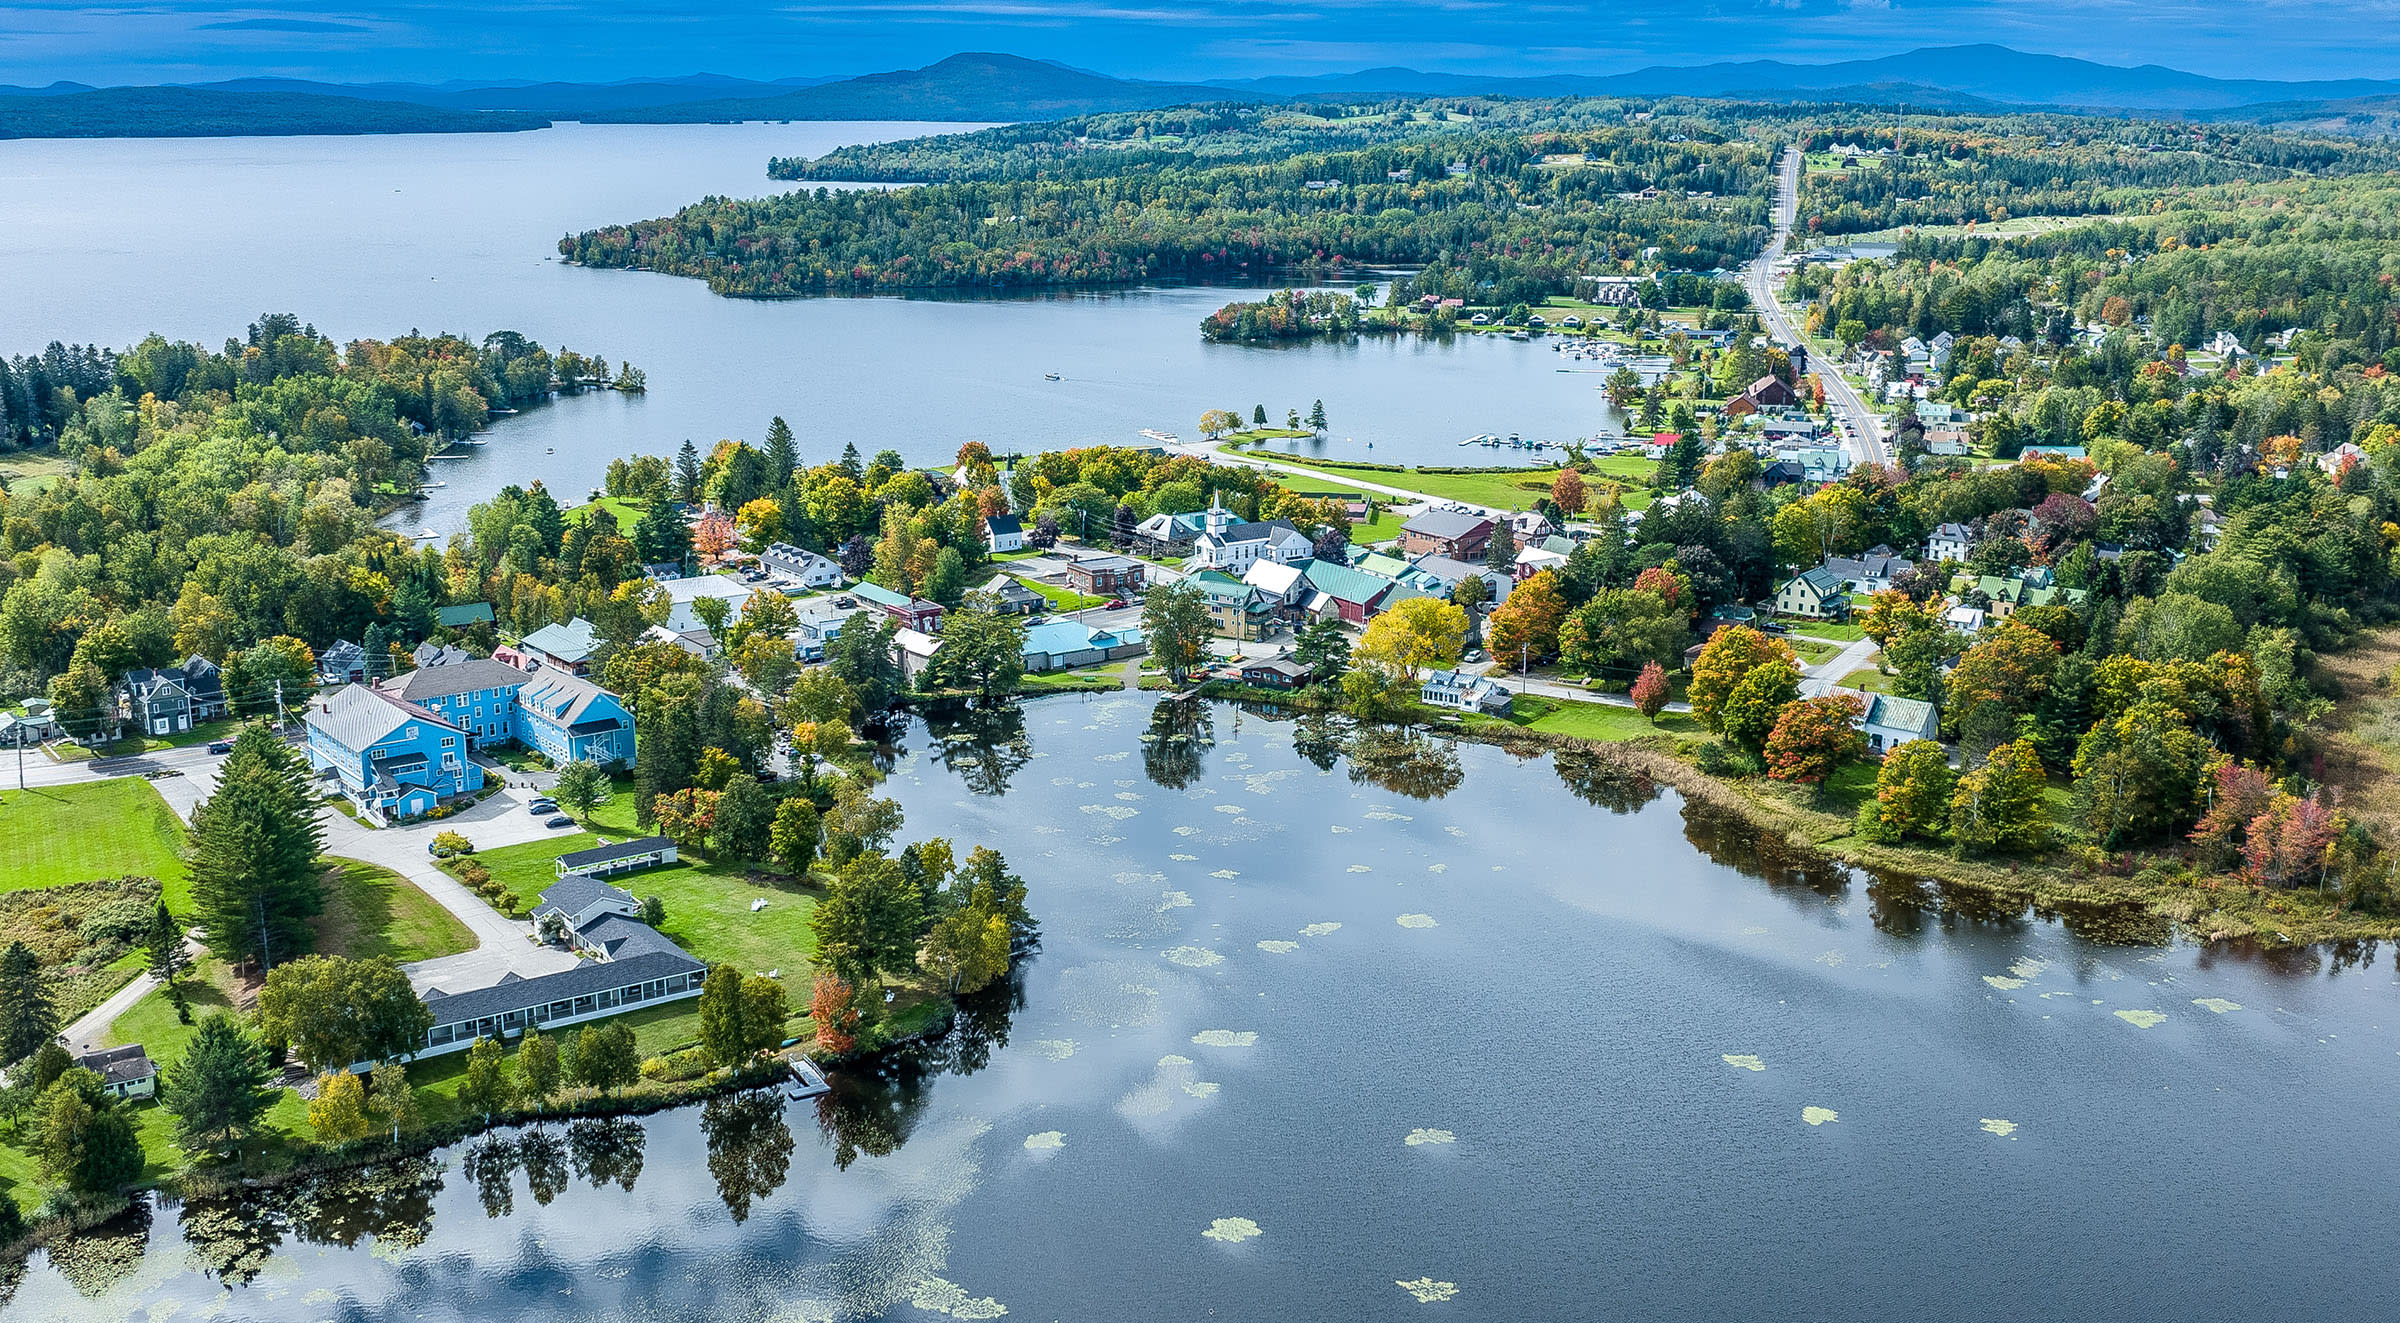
x: 28, y: 1016
x: 218, y: 1089
x: 783, y: 454
x: 687, y: 473
x: 1316, y: 416
x: 163, y: 949
x: 255, y: 881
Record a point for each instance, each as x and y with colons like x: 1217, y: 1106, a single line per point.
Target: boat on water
x: 428, y: 535
x: 549, y: 450
x: 1049, y: 376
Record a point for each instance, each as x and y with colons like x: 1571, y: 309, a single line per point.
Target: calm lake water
x: 1431, y: 1014
x: 374, y: 236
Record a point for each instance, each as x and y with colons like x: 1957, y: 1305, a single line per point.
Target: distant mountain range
x: 1008, y: 87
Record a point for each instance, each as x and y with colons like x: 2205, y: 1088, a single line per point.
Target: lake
x: 1416, y: 1028
x: 375, y: 236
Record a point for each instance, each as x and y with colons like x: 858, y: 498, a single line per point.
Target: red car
x: 1116, y: 604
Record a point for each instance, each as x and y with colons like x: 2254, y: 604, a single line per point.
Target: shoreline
x: 2191, y: 910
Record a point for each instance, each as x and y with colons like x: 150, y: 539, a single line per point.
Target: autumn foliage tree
x: 1567, y: 492
x: 1756, y: 704
x: 1891, y: 613
x: 830, y: 1004
x: 2011, y: 667
x: 1526, y: 625
x: 1814, y: 738
x: 2292, y: 837
x: 1998, y: 806
x: 1912, y: 794
x: 712, y: 537
x: 1650, y: 690
x: 1724, y: 661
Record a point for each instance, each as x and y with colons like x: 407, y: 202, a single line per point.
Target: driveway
x: 503, y: 945
x: 1816, y: 680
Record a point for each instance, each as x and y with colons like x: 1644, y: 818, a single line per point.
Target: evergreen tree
x: 849, y: 464
x: 162, y: 947
x: 1501, y: 553
x: 783, y: 454
x: 1316, y: 416
x: 662, y: 539
x: 218, y: 1089
x: 82, y: 1139
x: 687, y: 473
x: 1322, y: 646
x: 254, y: 845
x: 28, y: 1016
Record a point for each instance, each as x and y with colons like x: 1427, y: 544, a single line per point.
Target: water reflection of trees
x: 231, y: 1237
x: 543, y: 1155
x: 1405, y: 761
x: 96, y: 1259
x: 608, y: 1149
x: 1604, y: 781
x: 1174, y: 746
x: 983, y: 747
x: 1318, y: 738
x: 490, y: 1165
x: 749, y: 1147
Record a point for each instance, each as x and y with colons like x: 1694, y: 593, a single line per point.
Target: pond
x: 375, y: 236
x: 1330, y: 1025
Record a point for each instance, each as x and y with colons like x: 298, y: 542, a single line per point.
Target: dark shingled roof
x: 119, y: 1065
x: 587, y: 977
x: 573, y: 893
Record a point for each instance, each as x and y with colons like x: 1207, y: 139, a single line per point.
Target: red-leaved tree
x: 1814, y: 737
x: 1650, y: 690
x: 829, y: 1004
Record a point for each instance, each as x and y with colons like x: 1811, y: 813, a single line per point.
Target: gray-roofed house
x: 430, y: 653
x: 569, y: 647
x: 1871, y: 573
x: 1014, y: 597
x: 1464, y: 692
x: 1446, y: 533
x: 392, y: 758
x: 172, y: 699
x: 1235, y: 547
x: 127, y: 1071
x: 632, y: 965
x: 564, y: 717
x: 1950, y: 542
x: 799, y: 563
x: 343, y: 662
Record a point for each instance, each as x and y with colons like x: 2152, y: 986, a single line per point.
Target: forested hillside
x: 1521, y: 198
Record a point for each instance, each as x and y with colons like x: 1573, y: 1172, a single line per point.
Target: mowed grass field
x: 51, y: 835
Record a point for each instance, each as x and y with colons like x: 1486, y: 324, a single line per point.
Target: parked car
x: 541, y: 806
x: 220, y: 746
x: 1473, y: 655
x: 1116, y: 604
x: 562, y: 820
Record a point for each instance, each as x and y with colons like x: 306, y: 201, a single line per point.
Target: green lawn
x: 1505, y: 489
x: 1591, y: 721
x: 1253, y: 435
x: 1833, y: 631
x: 1061, y: 599
x: 96, y: 829
x: 373, y: 911
x: 1869, y: 679
x: 1097, y: 677
x: 627, y: 513
x: 708, y: 904
x: 1814, y: 651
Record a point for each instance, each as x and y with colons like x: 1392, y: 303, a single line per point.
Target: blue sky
x: 431, y: 40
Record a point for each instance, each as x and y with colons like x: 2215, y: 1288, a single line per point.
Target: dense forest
x: 1518, y: 199
x: 223, y: 502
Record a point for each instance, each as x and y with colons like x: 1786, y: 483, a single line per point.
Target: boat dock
x: 807, y: 1080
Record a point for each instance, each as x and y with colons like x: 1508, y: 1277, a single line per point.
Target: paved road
x: 503, y: 945
x: 1863, y: 436
x: 1816, y: 680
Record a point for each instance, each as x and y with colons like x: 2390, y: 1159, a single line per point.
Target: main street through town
x: 1861, y: 436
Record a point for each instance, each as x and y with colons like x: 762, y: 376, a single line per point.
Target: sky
x: 594, y: 40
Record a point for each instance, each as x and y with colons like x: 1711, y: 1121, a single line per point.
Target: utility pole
x: 282, y: 718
